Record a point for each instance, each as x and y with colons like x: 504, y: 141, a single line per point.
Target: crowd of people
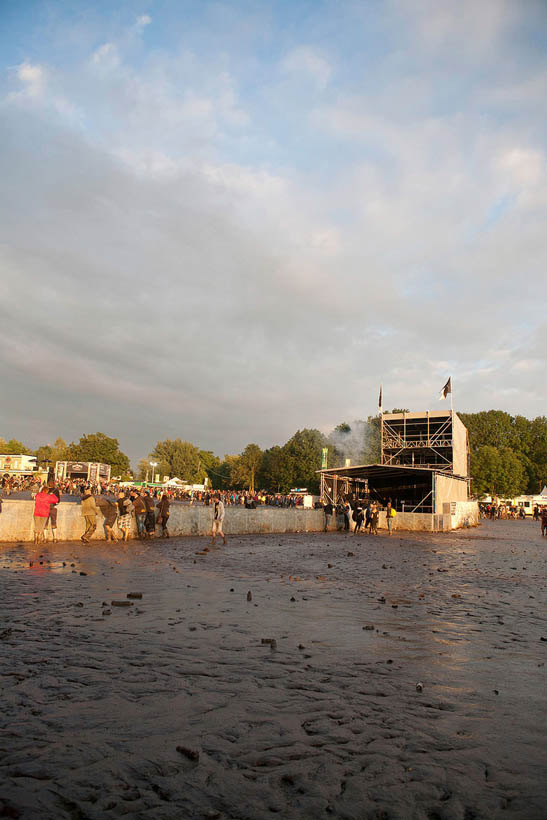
x: 507, y: 511
x: 149, y: 509
x: 117, y: 512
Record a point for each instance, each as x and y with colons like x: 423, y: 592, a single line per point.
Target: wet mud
x: 362, y: 677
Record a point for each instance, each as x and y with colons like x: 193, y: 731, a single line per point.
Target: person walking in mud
x: 109, y: 510
x: 347, y: 513
x: 163, y: 514
x: 390, y: 515
x: 43, y: 500
x: 374, y: 516
x: 218, y: 518
x: 52, y: 518
x: 150, y: 518
x: 543, y: 520
x: 89, y: 512
x: 125, y: 508
x: 358, y: 517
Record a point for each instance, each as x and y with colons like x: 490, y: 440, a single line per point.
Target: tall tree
x: 178, y: 459
x: 13, y: 448
x: 276, y: 470
x: 52, y: 453
x: 102, y: 448
x: 211, y: 465
x: 247, y: 466
x: 305, y: 451
x: 497, y: 472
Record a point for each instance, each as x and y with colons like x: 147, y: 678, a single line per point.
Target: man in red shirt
x: 42, y: 505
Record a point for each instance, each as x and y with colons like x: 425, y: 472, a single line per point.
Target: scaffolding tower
x: 435, y: 439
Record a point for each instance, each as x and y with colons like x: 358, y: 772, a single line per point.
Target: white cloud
x: 306, y: 61
x: 143, y: 20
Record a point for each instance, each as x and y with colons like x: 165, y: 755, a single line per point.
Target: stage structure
x: 91, y: 471
x: 424, y: 466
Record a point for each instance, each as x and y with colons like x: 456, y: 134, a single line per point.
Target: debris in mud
x: 121, y: 603
x: 419, y: 687
x: 6, y: 633
x: 369, y: 627
x: 135, y: 595
x: 249, y: 596
x: 191, y: 754
x: 351, y: 554
x: 293, y: 599
x: 83, y: 573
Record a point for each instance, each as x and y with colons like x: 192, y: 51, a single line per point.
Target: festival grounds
x: 173, y: 707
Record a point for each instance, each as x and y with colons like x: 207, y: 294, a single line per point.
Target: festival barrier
x: 17, y: 523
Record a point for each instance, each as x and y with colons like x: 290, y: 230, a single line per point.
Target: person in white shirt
x: 218, y: 518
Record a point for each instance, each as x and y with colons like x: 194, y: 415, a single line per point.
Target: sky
x: 226, y: 221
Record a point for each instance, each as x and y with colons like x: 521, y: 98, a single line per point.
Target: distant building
x: 91, y: 471
x: 18, y: 464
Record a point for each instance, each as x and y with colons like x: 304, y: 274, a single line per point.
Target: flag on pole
x: 380, y: 399
x: 446, y: 390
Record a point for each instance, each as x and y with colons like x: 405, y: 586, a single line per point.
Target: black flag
x: 446, y: 389
x: 380, y: 399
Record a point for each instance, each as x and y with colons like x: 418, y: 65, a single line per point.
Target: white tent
x: 174, y: 482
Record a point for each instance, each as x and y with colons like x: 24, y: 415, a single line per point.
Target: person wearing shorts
x: 218, y: 518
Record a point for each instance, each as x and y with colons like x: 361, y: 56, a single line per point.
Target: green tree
x: 226, y: 471
x: 247, y: 466
x: 102, y: 448
x: 497, y: 472
x: 494, y: 428
x: 178, y: 459
x: 276, y: 470
x: 52, y: 453
x: 211, y: 465
x: 305, y: 451
x: 13, y: 448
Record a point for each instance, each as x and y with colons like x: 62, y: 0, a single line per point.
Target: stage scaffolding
x: 410, y: 489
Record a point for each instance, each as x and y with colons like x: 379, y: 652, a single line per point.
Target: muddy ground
x: 327, y: 722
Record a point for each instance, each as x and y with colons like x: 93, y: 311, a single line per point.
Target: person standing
x: 543, y: 518
x: 390, y: 515
x: 374, y: 515
x: 52, y: 518
x: 347, y: 511
x: 218, y: 518
x: 140, y: 514
x: 89, y: 512
x: 110, y: 511
x: 358, y: 517
x: 125, y: 506
x: 163, y: 514
x: 368, y: 516
x: 42, y: 505
x: 150, y: 519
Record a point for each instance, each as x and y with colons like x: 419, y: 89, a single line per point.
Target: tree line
x: 508, y: 456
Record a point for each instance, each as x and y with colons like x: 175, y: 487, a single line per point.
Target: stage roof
x: 382, y: 471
